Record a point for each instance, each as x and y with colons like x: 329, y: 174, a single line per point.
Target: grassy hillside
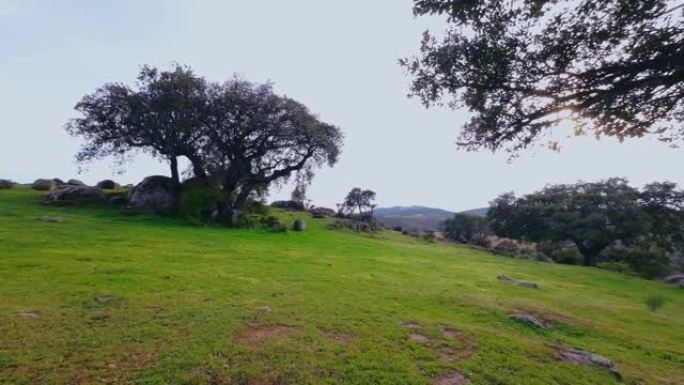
x: 194, y: 305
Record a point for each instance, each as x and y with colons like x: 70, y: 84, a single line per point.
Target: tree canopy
x: 239, y: 136
x: 359, y: 200
x: 594, y: 216
x: 523, y: 66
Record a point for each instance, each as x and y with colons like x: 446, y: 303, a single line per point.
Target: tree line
x: 608, y: 222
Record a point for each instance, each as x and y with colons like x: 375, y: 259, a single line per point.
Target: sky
x: 337, y: 57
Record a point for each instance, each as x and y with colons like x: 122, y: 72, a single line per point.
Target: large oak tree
x: 523, y: 66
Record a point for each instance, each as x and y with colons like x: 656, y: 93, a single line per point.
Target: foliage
x: 358, y: 201
x: 238, y: 135
x: 592, y: 215
x: 255, y: 138
x: 429, y: 237
x: 566, y: 256
x: 646, y: 259
x: 466, y: 228
x: 614, y: 66
x: 655, y: 302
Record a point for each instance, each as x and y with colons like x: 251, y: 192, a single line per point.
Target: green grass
x: 188, y: 306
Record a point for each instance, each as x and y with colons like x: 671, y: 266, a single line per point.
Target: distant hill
x: 418, y: 218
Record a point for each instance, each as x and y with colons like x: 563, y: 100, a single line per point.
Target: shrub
x: 646, y: 260
x: 197, y: 201
x: 618, y: 267
x: 655, y: 302
x: 567, y: 256
x: 429, y: 237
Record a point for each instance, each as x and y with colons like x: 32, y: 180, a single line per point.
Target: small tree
x: 466, y: 228
x: 359, y: 201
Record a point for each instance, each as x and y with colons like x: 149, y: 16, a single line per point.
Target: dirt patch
x: 451, y: 378
x: 449, y: 333
x: 340, y: 338
x: 261, y: 334
x: 32, y: 314
x: 423, y: 339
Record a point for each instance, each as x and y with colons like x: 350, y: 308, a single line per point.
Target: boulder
x: 322, y: 212
x: 75, y: 182
x: 107, y: 184
x: 44, y: 184
x: 677, y: 279
x: 530, y: 320
x: 299, y: 225
x: 516, y: 282
x: 6, y: 184
x: 58, y: 182
x: 153, y: 193
x: 288, y: 205
x: 587, y: 358
x: 70, y: 195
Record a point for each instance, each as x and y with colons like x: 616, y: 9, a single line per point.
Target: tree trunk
x: 590, y: 255
x: 176, y: 188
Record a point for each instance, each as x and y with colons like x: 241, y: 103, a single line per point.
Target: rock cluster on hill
x: 289, y: 205
x: 75, y: 195
x: 6, y: 184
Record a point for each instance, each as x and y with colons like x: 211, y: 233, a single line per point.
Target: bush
x: 618, y: 267
x: 198, y: 201
x: 646, y: 260
x: 567, y: 256
x: 429, y: 237
x: 655, y: 302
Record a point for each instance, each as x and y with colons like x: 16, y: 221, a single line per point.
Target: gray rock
x: 75, y: 182
x: 517, y: 282
x: 587, y: 358
x: 153, y: 193
x: 52, y: 219
x: 43, y: 184
x: 530, y: 320
x: 107, y: 184
x: 288, y: 205
x: 6, y: 184
x: 99, y: 316
x: 299, y: 225
x: 675, y: 278
x: 322, y: 212
x: 105, y: 298
x: 58, y: 182
x: 265, y: 309
x: 75, y: 195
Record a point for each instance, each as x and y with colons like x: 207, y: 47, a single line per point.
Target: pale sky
x: 337, y: 57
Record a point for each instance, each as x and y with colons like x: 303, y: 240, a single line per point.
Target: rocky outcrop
x: 44, y: 184
x: 75, y: 195
x: 322, y: 212
x: 75, y: 182
x: 6, y: 184
x: 154, y: 193
x: 107, y: 184
x: 517, y: 282
x: 530, y: 320
x: 289, y: 205
x: 587, y: 358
